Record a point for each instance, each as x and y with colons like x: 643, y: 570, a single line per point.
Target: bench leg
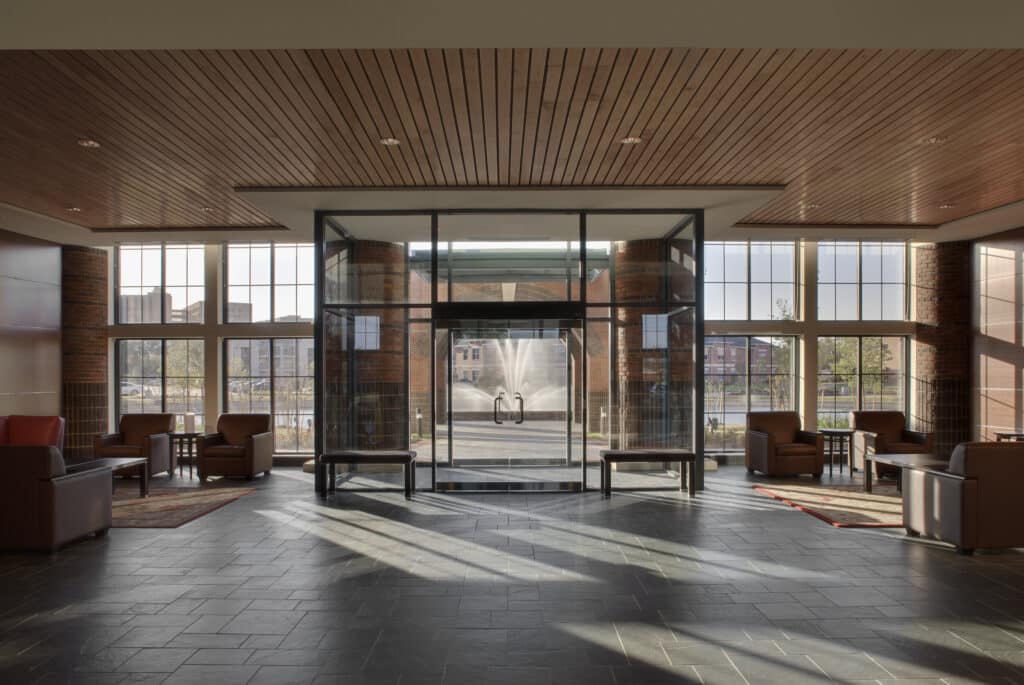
x: 684, y: 476
x: 332, y: 482
x: 607, y: 478
x: 691, y: 480
x: 408, y: 480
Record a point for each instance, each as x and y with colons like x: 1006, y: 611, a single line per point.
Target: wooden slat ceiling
x: 879, y: 137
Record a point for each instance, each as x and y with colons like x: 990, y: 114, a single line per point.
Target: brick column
x: 84, y: 348
x: 942, y: 342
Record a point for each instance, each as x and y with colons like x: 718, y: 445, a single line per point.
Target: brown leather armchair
x: 140, y: 435
x: 242, y: 446
x: 885, y: 432
x: 776, y: 446
x: 42, y: 506
x: 974, y: 503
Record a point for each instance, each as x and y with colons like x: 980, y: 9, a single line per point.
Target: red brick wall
x: 942, y: 342
x: 84, y: 347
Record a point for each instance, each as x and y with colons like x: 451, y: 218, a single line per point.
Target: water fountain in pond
x: 533, y: 368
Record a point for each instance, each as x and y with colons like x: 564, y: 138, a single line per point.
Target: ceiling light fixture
x: 935, y: 140
x: 73, y: 210
x: 209, y: 210
x: 947, y: 205
x: 631, y: 140
x: 390, y: 142
x: 88, y: 143
x: 811, y: 205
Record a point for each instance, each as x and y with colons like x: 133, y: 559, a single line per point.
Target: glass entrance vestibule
x: 508, y: 348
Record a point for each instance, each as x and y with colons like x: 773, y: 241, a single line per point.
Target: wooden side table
x: 844, y: 436
x: 186, y: 443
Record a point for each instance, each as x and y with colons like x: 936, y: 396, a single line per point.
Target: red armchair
x: 17, y: 429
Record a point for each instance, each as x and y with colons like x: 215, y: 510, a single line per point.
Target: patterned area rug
x: 843, y: 506
x: 168, y: 507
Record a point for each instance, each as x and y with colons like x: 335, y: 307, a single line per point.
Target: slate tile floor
x: 280, y: 587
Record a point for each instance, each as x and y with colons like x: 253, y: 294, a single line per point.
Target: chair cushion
x: 33, y: 430
x: 135, y: 428
x: 119, y: 451
x: 795, y: 449
x: 224, y: 451
x: 237, y: 428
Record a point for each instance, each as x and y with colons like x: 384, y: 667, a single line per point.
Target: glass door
x: 509, y: 407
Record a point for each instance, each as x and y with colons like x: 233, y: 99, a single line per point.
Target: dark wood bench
x: 328, y: 461
x: 609, y: 457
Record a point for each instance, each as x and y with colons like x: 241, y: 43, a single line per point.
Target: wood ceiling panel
x: 844, y: 130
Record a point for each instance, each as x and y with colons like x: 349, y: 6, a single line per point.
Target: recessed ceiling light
x: 935, y: 140
x: 73, y: 210
x: 947, y: 205
x: 631, y: 140
x: 390, y: 142
x: 811, y: 205
x: 209, y: 210
x: 88, y: 143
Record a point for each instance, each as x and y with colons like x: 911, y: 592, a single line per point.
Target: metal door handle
x: 522, y: 416
x: 497, y: 401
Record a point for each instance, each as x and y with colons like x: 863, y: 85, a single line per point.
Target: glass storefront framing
x: 394, y: 272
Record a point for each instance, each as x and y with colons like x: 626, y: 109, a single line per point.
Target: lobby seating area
x: 514, y: 343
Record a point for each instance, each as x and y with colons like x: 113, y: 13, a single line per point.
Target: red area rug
x: 843, y: 506
x: 169, y: 507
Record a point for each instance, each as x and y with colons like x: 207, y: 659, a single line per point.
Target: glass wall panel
x: 865, y: 281
x: 366, y: 391
x: 742, y: 374
x: 377, y: 260
x: 640, y: 259
x: 866, y: 372
x: 157, y: 376
x: 508, y: 257
x: 273, y: 376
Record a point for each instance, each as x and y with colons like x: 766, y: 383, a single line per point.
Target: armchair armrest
x: 764, y: 442
x: 760, y: 450
x: 158, y: 448
x: 107, y: 440
x: 872, y: 443
x: 261, y: 448
x: 919, y: 438
x: 942, y: 505
x: 80, y: 504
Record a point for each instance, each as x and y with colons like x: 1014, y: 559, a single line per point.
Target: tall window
x: 273, y: 376
x: 860, y: 373
x: 160, y: 283
x: 865, y: 281
x: 750, y: 281
x: 163, y: 375
x: 269, y: 282
x: 743, y: 374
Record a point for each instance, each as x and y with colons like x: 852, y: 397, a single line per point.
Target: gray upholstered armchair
x: 42, y: 506
x: 242, y: 446
x: 776, y: 445
x: 885, y: 432
x: 974, y: 503
x: 140, y: 435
